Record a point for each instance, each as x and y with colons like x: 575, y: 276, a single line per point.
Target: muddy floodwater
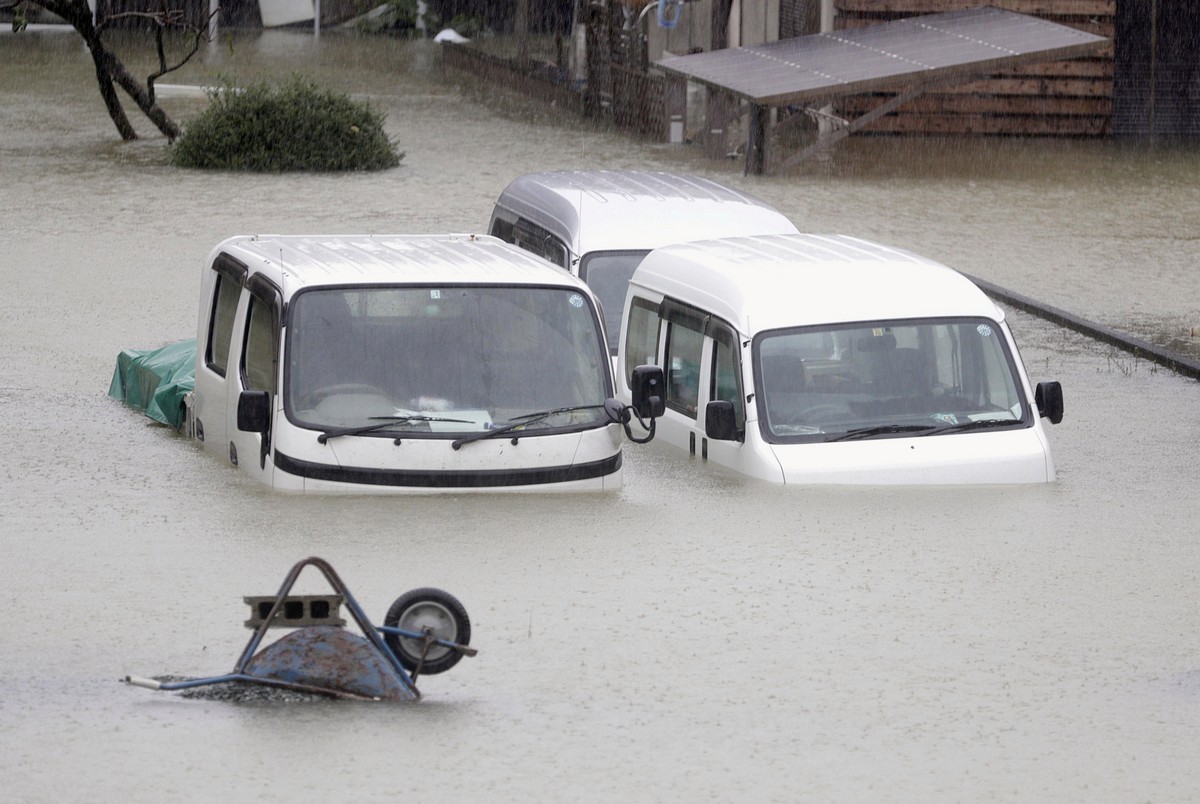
x: 693, y: 637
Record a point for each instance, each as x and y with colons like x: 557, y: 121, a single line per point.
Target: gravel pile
x: 242, y: 692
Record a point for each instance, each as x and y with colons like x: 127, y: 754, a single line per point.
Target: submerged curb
x: 1136, y: 346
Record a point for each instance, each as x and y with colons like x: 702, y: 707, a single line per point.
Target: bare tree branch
x: 111, y: 72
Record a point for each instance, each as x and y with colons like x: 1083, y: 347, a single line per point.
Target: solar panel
x: 935, y: 47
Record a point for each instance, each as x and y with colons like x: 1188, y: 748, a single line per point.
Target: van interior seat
x: 901, y: 372
x: 783, y: 374
x: 327, y: 344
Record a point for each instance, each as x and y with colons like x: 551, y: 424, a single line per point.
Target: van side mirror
x: 1049, y: 399
x: 647, y: 386
x: 720, y: 421
x: 254, y: 411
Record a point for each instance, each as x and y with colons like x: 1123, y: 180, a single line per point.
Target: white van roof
x: 768, y: 282
x: 648, y: 209
x: 296, y: 261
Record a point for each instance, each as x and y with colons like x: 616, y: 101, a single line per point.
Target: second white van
x: 828, y: 359
x: 599, y: 224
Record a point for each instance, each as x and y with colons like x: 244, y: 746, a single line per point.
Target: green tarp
x: 156, y: 380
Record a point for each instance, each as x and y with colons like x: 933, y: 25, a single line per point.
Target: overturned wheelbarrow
x: 426, y: 631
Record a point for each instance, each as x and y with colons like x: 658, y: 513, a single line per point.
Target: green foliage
x: 403, y: 13
x: 294, y: 127
x: 399, y: 18
x: 394, y: 16
x: 469, y: 27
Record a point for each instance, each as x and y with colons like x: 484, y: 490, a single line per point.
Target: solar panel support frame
x: 1058, y: 42
x: 844, y: 128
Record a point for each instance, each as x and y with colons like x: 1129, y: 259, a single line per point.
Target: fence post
x: 675, y: 109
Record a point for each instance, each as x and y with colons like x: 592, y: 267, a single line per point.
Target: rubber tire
x: 442, y: 606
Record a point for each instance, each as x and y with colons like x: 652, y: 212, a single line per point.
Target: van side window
x: 641, y: 341
x: 220, y: 325
x: 539, y: 241
x: 259, y: 357
x: 503, y: 230
x: 684, y: 346
x: 727, y: 375
x: 607, y: 274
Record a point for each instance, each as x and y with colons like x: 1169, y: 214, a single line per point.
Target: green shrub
x: 469, y: 27
x: 296, y: 126
x: 394, y: 16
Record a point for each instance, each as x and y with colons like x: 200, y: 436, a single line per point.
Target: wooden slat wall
x: 233, y: 13
x: 1063, y: 98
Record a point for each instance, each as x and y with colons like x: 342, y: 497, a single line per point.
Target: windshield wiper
x: 389, y: 421
x: 921, y: 429
x: 520, y: 421
x: 883, y: 429
x: 977, y: 424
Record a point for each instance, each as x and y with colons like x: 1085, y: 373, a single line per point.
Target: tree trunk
x: 140, y: 95
x: 521, y: 28
x: 109, y: 93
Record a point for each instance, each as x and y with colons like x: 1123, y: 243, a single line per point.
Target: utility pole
x: 521, y: 27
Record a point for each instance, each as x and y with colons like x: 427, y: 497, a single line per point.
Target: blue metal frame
x: 370, y: 631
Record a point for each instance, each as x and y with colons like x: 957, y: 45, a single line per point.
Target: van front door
x: 222, y: 293
x: 258, y: 370
x: 723, y: 382
x: 683, y: 364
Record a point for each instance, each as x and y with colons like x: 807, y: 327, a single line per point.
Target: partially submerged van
x: 599, y: 224
x: 402, y: 363
x: 828, y: 359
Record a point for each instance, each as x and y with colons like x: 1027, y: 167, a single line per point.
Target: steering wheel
x: 816, y: 413
x: 314, y: 398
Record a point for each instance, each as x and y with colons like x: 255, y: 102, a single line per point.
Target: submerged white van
x: 402, y: 363
x: 827, y: 359
x: 599, y: 224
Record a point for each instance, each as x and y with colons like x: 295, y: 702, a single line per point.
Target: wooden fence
x: 1060, y: 98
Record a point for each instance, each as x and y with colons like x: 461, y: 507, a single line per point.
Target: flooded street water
x: 693, y: 637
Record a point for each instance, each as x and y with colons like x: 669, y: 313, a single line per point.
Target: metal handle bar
x: 463, y: 649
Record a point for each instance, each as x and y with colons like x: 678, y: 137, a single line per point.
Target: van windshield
x: 607, y: 274
x: 886, y: 379
x: 443, y: 361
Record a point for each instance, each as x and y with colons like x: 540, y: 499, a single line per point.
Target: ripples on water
x: 694, y: 636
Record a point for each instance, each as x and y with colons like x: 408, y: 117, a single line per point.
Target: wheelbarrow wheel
x: 433, y: 609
